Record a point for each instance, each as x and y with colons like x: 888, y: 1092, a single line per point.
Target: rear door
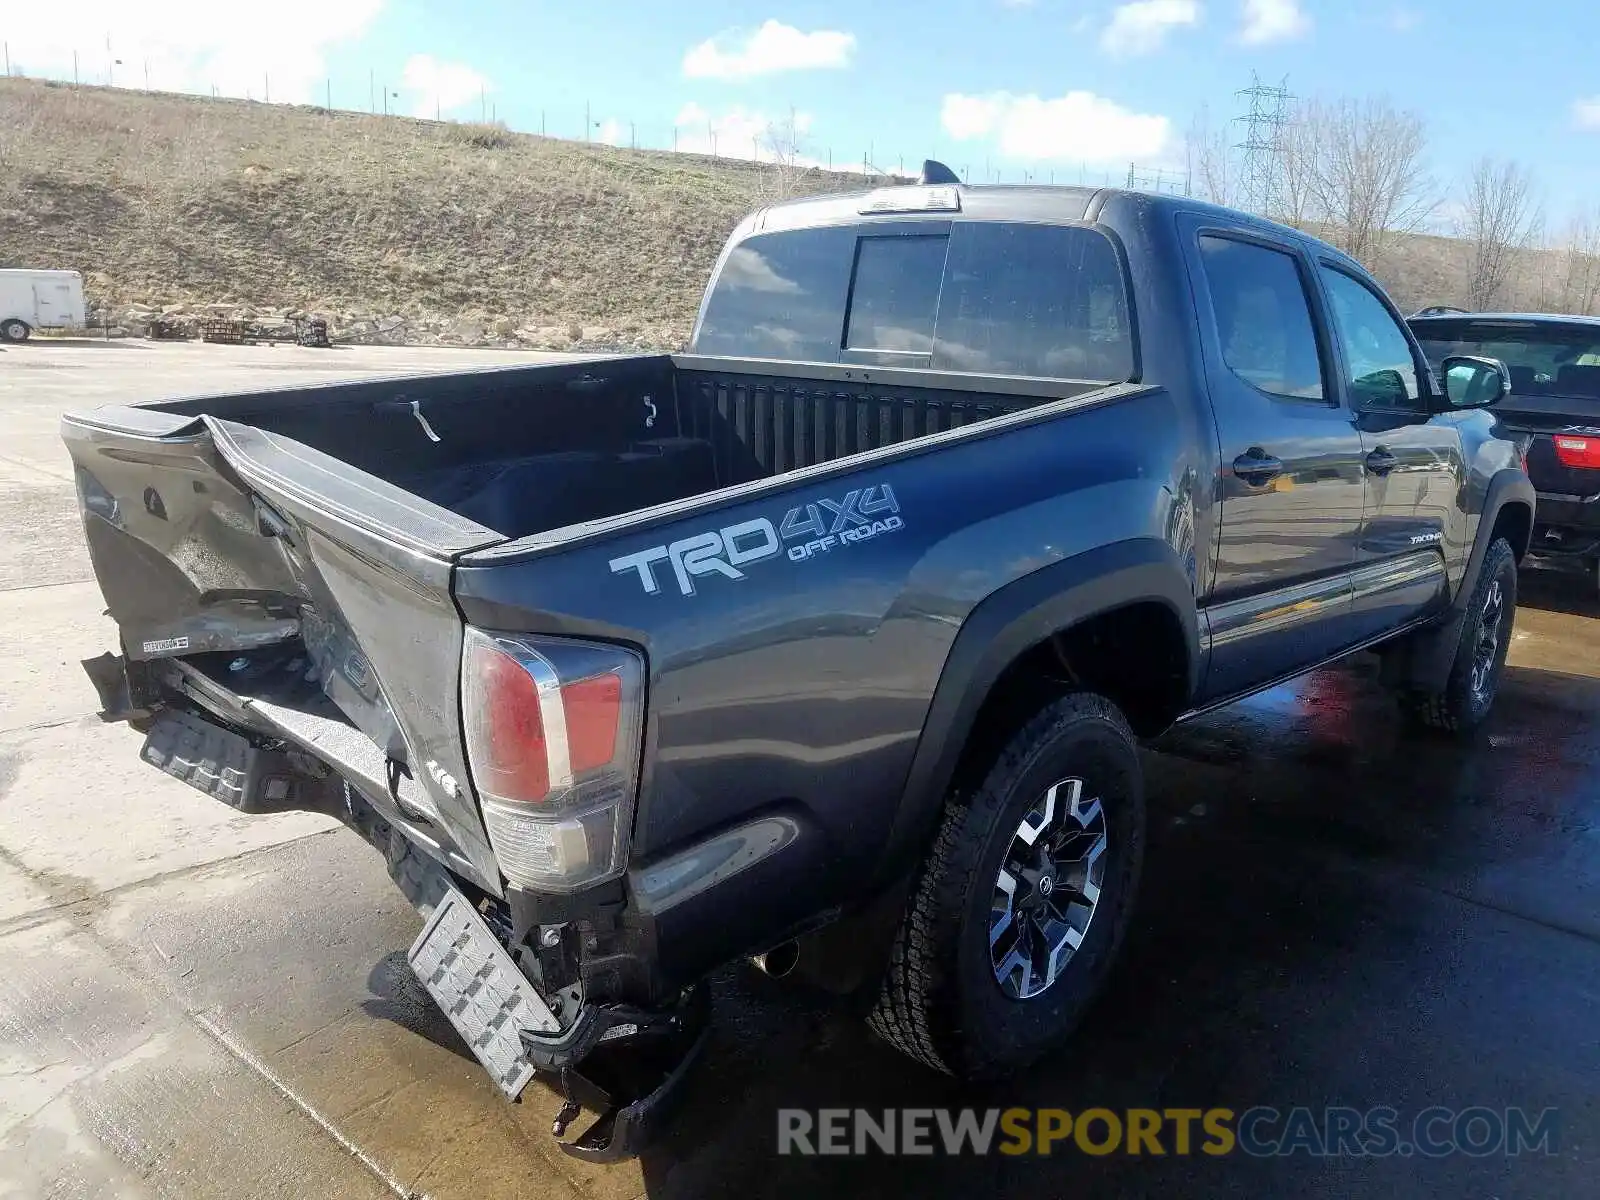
x: 1291, y: 487
x: 1412, y: 462
x: 53, y: 303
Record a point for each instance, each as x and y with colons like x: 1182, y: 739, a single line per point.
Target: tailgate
x: 213, y: 541
x: 1541, y: 419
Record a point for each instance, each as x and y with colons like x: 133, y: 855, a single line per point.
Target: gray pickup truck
x: 826, y: 642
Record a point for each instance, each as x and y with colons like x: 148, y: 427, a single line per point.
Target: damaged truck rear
x: 825, y: 642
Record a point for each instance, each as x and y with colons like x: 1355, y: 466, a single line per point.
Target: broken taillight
x: 552, y: 730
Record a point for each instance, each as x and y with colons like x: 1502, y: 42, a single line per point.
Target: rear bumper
x: 1567, y: 525
x: 626, y: 1064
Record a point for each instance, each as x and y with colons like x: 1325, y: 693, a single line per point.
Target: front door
x: 1413, y: 464
x: 1290, y: 485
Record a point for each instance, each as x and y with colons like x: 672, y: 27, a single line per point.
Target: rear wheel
x: 14, y: 330
x: 1480, y: 659
x: 1024, y: 899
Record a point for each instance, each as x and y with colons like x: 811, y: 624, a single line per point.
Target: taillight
x: 552, y: 733
x: 1578, y: 451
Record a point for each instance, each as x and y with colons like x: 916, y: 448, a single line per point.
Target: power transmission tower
x: 1261, y: 161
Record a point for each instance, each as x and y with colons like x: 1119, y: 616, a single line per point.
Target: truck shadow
x: 1557, y: 590
x: 397, y: 995
x: 1301, y: 880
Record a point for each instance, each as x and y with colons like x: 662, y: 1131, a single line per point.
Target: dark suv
x: 1553, y: 407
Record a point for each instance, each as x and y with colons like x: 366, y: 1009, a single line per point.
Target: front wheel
x: 14, y: 330
x: 1480, y: 659
x: 1022, y: 904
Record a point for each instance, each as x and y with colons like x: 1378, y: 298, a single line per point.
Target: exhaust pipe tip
x: 779, y: 961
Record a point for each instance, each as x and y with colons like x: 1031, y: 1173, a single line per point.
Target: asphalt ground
x: 195, y: 1003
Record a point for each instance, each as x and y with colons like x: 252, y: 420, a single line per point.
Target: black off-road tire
x: 14, y: 330
x: 1458, y: 707
x: 941, y: 1003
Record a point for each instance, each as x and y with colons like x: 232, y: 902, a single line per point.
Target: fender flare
x: 1003, y: 626
x: 1427, y: 657
x: 1507, y: 485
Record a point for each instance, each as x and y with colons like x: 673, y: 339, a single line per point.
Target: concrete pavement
x: 195, y: 1003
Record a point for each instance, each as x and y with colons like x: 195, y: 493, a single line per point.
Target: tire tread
x: 1447, y: 710
x: 912, y: 1012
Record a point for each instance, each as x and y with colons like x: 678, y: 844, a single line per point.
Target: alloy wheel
x: 1487, y: 649
x: 1047, y: 890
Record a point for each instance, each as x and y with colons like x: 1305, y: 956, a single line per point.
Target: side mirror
x: 1473, y: 382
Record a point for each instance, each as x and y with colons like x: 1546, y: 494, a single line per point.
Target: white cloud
x: 1586, y: 112
x: 1076, y: 127
x: 1273, y: 21
x: 756, y: 137
x: 1141, y: 27
x: 191, y: 45
x: 968, y: 117
x: 441, y: 87
x: 609, y: 132
x: 1404, y: 20
x: 747, y: 269
x: 773, y: 47
x: 737, y: 133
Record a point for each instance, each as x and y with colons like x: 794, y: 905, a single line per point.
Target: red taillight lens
x: 594, y: 710
x: 513, y: 760
x: 552, y: 728
x: 1578, y: 451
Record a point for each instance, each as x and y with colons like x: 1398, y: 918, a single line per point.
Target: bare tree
x: 1498, y: 220
x: 783, y: 144
x: 1213, y: 172
x: 1298, y: 163
x: 1370, y: 180
x: 1580, y: 265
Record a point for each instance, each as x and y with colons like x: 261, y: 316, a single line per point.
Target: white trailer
x: 32, y: 300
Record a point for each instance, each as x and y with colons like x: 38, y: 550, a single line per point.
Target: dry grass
x: 162, y: 200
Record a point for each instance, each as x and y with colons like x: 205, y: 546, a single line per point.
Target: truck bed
x: 294, y: 547
x: 526, y: 450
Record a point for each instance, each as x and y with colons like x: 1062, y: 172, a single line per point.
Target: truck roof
x: 1011, y: 202
x: 1481, y: 318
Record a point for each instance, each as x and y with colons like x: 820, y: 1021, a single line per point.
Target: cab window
x: 1381, y: 368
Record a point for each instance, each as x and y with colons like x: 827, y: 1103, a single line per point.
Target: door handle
x: 1256, y: 467
x: 1381, y: 462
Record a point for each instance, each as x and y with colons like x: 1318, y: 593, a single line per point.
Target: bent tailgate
x: 208, y: 536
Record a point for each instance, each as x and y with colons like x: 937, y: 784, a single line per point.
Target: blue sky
x: 1056, y: 88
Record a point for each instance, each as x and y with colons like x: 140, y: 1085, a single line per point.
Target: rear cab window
x: 1263, y: 315
x: 990, y: 297
x: 895, y: 296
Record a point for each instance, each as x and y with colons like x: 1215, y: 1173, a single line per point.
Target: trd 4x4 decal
x: 814, y: 528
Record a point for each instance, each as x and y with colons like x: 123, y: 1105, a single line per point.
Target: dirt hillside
x: 464, y: 232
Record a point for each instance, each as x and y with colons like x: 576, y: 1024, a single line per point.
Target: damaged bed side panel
x: 208, y: 537
x: 176, y: 541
